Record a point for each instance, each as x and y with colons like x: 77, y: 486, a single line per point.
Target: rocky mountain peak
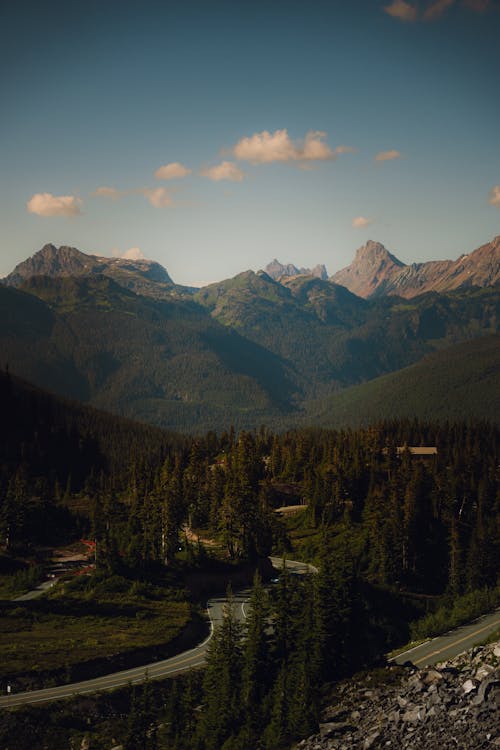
x: 375, y: 272
x: 52, y: 261
x: 320, y: 271
x: 370, y: 271
x: 277, y: 270
x: 376, y: 254
x: 55, y: 261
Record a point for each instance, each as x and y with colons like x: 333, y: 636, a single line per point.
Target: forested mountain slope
x: 456, y: 383
x: 245, y: 351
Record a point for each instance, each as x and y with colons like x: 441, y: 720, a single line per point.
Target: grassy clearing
x: 85, y: 619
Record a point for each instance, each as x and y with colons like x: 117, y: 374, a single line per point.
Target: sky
x: 216, y: 136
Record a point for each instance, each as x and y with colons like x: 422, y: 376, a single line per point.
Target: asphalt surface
x: 431, y: 652
x: 35, y: 593
x: 183, y: 662
x: 451, y: 644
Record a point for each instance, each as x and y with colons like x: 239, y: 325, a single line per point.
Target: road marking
x: 460, y: 640
x: 409, y: 650
x: 194, y: 657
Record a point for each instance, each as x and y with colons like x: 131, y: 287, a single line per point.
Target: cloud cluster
x: 173, y: 171
x: 401, y: 10
x: 494, y: 197
x: 133, y: 253
x: 410, y: 12
x: 46, y: 204
x: 158, y: 197
x: 360, y: 222
x: 263, y: 147
x: 388, y: 155
x: 226, y: 170
x: 108, y: 192
x: 266, y: 147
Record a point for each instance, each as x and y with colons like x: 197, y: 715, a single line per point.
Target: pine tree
x: 142, y: 721
x: 256, y: 665
x: 222, y: 683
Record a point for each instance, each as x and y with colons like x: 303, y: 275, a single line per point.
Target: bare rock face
x: 51, y: 261
x: 375, y: 271
x: 372, y: 270
x: 277, y: 271
x: 453, y: 705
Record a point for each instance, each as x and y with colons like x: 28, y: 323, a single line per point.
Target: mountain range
x: 375, y: 272
x: 121, y: 335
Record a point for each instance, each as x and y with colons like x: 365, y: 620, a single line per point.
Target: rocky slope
x: 376, y: 272
x: 453, y: 705
x: 277, y: 271
x: 141, y: 276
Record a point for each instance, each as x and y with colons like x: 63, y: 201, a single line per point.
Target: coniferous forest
x: 395, y: 536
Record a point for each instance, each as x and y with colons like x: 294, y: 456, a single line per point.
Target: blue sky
x: 278, y: 126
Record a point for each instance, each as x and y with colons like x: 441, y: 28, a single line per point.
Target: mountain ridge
x: 375, y: 272
x: 245, y: 351
x: 142, y: 276
x: 278, y: 271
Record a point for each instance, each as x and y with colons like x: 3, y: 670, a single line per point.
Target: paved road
x: 293, y: 565
x: 195, y: 657
x: 451, y: 644
x: 438, y: 649
x: 35, y: 593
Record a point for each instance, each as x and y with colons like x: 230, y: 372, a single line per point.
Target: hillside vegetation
x: 459, y: 382
x: 392, y: 535
x: 245, y: 352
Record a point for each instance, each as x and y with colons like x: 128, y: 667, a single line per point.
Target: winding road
x: 431, y: 652
x: 183, y: 662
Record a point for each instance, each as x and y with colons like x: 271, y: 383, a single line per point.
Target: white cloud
x: 315, y: 148
x: 437, y: 9
x: 266, y: 147
x: 360, y: 222
x: 388, y: 155
x: 46, y: 204
x: 108, y: 192
x: 133, y: 253
x: 495, y: 196
x: 402, y: 10
x: 172, y: 171
x: 226, y: 170
x: 158, y: 197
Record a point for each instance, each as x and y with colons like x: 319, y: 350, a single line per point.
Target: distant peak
x: 376, y: 251
x: 277, y: 270
x: 69, y: 261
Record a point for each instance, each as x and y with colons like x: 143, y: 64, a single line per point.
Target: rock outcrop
x: 375, y: 272
x: 140, y: 275
x: 277, y: 271
x: 453, y: 705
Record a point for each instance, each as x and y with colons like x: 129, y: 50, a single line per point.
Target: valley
x: 120, y: 335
